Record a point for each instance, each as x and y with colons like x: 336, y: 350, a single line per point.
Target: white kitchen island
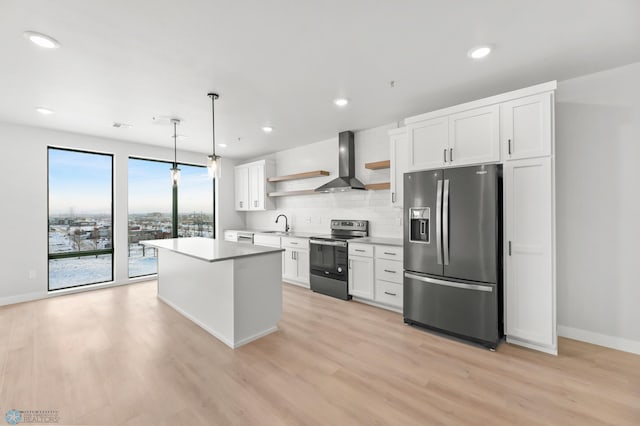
x: 232, y: 290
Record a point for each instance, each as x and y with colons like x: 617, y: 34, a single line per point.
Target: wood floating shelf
x: 376, y: 165
x: 287, y: 193
x: 295, y: 176
x: 377, y: 186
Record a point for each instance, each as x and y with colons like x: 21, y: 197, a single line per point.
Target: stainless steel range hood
x: 346, y: 180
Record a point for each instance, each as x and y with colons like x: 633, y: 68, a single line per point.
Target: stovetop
x: 344, y: 230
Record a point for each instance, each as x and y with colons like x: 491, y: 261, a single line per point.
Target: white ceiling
x: 283, y: 62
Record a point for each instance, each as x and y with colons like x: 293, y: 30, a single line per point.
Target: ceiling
x: 282, y: 63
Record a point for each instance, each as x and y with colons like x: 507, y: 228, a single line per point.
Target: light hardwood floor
x: 120, y: 356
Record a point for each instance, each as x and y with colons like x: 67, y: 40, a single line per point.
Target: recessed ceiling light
x: 42, y: 40
x: 44, y: 111
x: 222, y: 145
x: 479, y: 52
x: 267, y: 129
x: 341, y: 102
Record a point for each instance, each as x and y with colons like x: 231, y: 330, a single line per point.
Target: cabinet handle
x: 509, y: 145
x: 450, y: 154
x: 295, y: 255
x: 361, y: 251
x: 445, y: 155
x: 509, y: 248
x: 393, y: 197
x: 389, y: 253
x: 390, y: 294
x: 390, y: 271
x: 240, y: 203
x: 349, y: 263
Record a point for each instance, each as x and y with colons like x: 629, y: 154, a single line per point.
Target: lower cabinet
x: 361, y: 276
x: 375, y: 274
x: 295, y: 268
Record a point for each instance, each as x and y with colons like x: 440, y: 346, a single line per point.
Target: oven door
x: 328, y: 259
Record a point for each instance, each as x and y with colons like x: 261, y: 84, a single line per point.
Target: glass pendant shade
x: 175, y: 176
x: 213, y: 166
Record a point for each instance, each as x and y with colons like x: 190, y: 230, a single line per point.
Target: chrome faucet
x: 286, y: 222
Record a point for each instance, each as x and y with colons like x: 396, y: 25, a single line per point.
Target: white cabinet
x: 474, y: 136
x: 266, y: 240
x: 242, y: 188
x: 361, y: 276
x: 389, y: 270
x: 296, y: 261
x: 529, y: 253
x: 252, y: 186
x: 427, y: 142
x: 399, y: 164
x: 526, y: 126
x: 467, y: 137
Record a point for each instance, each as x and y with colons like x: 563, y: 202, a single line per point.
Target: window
x: 80, y: 213
x: 151, y: 205
x: 195, y: 202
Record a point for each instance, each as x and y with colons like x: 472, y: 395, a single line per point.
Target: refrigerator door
x: 470, y: 223
x: 422, y: 210
x: 464, y: 309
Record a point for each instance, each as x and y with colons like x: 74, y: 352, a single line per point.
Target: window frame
x: 67, y: 255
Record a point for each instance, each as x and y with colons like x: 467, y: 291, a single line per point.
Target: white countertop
x: 210, y: 250
x: 379, y: 241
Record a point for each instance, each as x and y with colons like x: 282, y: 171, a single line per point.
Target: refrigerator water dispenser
x: 419, y: 218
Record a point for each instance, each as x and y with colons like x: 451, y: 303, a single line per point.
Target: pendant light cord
x: 175, y: 144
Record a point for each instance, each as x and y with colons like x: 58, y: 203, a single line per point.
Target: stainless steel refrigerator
x: 453, y: 251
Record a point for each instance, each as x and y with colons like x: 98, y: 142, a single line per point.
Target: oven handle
x: 328, y: 243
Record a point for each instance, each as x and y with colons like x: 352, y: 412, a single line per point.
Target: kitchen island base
x: 237, y: 300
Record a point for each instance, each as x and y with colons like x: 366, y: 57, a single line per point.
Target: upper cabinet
x: 474, y: 136
x: 399, y: 164
x: 427, y: 143
x: 468, y: 137
x: 526, y: 127
x: 252, y: 186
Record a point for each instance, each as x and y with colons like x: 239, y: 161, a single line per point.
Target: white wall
x: 23, y: 161
x: 598, y: 207
x: 312, y: 213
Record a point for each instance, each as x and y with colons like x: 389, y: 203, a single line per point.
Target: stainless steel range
x: 329, y: 258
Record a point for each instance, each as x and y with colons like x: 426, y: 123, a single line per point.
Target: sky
x: 80, y: 183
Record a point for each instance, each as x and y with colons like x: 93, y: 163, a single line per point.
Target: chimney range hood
x: 346, y: 180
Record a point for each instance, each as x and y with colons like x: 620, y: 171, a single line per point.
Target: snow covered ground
x: 75, y: 271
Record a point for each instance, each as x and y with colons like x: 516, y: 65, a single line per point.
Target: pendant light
x: 175, y: 171
x: 213, y: 160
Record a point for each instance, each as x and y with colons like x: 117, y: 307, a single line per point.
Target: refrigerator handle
x: 445, y: 222
x: 439, y: 222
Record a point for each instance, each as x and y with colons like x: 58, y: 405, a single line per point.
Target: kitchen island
x: 231, y: 290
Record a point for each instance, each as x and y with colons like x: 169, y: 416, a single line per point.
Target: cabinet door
x: 526, y: 127
x: 399, y: 165
x: 529, y: 284
x: 242, y: 188
x: 302, y: 257
x: 290, y: 267
x: 474, y: 136
x: 361, y: 280
x: 427, y: 141
x: 256, y: 187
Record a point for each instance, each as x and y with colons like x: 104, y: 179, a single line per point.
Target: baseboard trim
x: 29, y: 297
x: 546, y: 349
x: 619, y: 343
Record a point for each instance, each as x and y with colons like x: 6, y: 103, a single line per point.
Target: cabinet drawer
x: 389, y: 293
x: 389, y: 270
x: 361, y: 250
x: 389, y: 252
x: 296, y: 243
